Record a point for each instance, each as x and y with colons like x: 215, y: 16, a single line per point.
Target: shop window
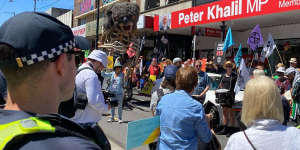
x: 172, y: 1
x: 150, y: 4
x: 201, y: 2
x: 81, y: 21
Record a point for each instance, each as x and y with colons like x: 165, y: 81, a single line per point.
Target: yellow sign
x: 110, y: 62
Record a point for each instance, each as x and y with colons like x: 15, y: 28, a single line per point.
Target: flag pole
x: 279, y: 54
x: 270, y: 67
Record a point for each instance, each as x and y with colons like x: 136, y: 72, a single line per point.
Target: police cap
x: 36, y: 37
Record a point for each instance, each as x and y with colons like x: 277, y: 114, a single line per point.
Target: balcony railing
x: 201, y: 2
x: 150, y: 4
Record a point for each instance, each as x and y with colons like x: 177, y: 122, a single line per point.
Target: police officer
x: 88, y: 87
x: 37, y: 59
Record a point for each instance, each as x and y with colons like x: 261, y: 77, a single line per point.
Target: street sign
x: 142, y: 132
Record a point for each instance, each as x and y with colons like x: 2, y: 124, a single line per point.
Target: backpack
x: 69, y: 107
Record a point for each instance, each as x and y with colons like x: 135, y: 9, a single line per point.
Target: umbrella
x: 82, y: 43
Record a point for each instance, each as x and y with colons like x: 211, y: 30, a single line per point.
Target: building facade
x: 63, y: 15
x: 169, y: 38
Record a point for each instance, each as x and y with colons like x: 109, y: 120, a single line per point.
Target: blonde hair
x: 258, y: 72
x: 262, y: 100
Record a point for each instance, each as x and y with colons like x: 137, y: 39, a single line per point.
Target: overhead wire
x: 46, y: 6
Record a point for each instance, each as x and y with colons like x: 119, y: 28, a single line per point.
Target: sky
x: 9, y: 7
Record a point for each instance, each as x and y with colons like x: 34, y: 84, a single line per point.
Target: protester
x: 162, y: 64
x: 228, y: 81
x: 37, y: 59
x: 276, y: 75
x: 294, y: 78
x: 258, y: 72
x: 3, y: 90
x: 182, y: 118
x: 116, y: 87
x: 177, y: 62
x: 282, y: 82
x: 262, y: 113
x: 293, y: 63
x: 167, y: 86
x: 202, y: 84
x: 88, y: 87
x: 211, y: 67
x: 153, y: 70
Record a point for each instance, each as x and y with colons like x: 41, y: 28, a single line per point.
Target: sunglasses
x: 198, y: 66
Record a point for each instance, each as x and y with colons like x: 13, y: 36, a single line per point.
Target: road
x: 117, y: 132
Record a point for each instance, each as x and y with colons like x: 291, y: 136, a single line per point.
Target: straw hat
x: 228, y: 63
x: 293, y: 60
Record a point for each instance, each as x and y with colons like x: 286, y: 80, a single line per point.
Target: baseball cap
x: 35, y: 37
x: 100, y: 56
x: 170, y: 72
x: 177, y: 59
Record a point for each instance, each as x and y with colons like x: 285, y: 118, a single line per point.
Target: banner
x: 228, y: 10
x: 79, y: 30
x: 220, y: 57
x: 142, y: 132
x: 110, y: 62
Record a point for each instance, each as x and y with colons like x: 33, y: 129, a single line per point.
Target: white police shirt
x: 87, y: 82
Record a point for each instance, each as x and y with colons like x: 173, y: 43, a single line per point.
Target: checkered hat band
x: 48, y: 54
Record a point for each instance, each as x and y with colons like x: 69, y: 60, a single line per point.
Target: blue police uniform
x: 36, y: 37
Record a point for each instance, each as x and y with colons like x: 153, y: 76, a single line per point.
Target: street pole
x: 97, y: 24
x: 223, y: 29
x: 194, y: 46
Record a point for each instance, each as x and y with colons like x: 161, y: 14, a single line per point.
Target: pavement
x: 137, y: 109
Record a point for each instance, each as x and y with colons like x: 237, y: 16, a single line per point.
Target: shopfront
x: 281, y: 18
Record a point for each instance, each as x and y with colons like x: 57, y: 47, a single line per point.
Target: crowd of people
x: 41, y: 74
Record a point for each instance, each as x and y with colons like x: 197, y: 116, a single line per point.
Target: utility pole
x: 97, y: 23
x: 223, y: 29
x: 34, y: 6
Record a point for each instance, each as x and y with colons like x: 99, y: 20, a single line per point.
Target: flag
x: 110, y: 60
x: 130, y: 51
x: 141, y: 67
x: 243, y: 77
x: 142, y: 43
x: 238, y: 56
x: 269, y: 46
x: 262, y: 56
x: 228, y: 40
x: 255, y: 39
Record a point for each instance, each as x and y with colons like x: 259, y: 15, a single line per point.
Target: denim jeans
x: 118, y: 98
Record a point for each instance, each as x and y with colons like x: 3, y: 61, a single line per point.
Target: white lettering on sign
x: 191, y: 18
x: 216, y: 11
x: 289, y: 3
x: 255, y: 5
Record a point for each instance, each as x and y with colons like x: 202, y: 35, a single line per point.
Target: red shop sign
x: 229, y: 10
